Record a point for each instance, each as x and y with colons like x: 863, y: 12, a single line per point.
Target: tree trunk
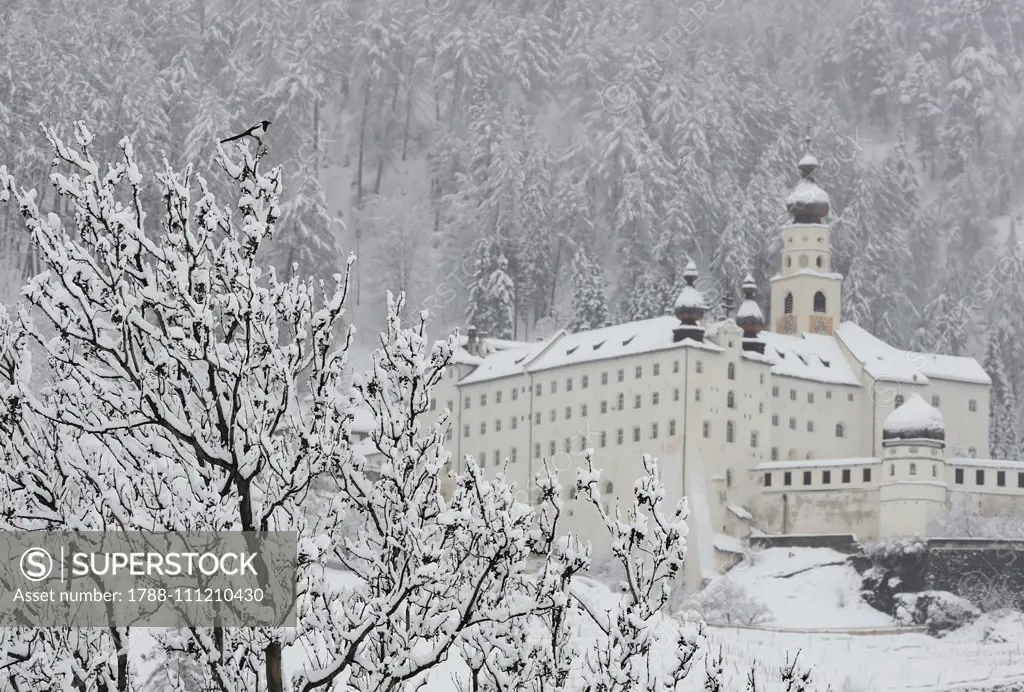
x: 362, y: 147
x: 408, y: 119
x: 273, y: 667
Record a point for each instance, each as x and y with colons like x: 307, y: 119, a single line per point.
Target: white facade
x: 727, y: 424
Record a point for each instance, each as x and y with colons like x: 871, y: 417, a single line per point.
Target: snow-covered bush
x: 939, y: 611
x: 725, y: 602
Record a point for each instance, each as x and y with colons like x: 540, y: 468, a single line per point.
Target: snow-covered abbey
x: 809, y: 425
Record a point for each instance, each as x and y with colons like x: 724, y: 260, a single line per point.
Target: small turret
x: 750, y: 318
x: 808, y: 203
x: 690, y: 307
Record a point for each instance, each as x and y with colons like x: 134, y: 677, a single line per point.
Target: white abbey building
x: 812, y: 427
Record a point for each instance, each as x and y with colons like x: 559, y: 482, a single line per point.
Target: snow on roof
x: 815, y: 463
x: 505, y: 363
x: 913, y: 416
x: 807, y: 192
x: 835, y: 276
x: 495, y: 344
x: 815, y: 357
x: 728, y: 544
x: 988, y: 463
x: 363, y: 419
x: 464, y: 357
x: 631, y: 338
x: 884, y: 362
x: 808, y: 160
x: 740, y: 512
x: 749, y: 308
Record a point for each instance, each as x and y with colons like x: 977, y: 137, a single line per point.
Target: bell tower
x: 805, y: 294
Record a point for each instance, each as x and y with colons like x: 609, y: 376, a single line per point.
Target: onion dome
x: 690, y: 305
x: 749, y: 316
x: 914, y: 420
x: 808, y: 203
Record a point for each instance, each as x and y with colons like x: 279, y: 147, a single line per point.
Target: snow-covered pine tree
x: 1003, y: 435
x: 305, y: 246
x: 491, y: 294
x: 589, y: 304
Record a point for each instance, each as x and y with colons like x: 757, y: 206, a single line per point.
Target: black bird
x: 256, y: 131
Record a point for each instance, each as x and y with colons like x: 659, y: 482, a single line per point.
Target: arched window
x: 608, y: 488
x: 731, y: 374
x: 729, y: 431
x: 913, y: 469
x: 730, y: 400
x: 789, y: 261
x: 787, y: 304
x: 839, y: 430
x: 819, y: 302
x: 819, y: 262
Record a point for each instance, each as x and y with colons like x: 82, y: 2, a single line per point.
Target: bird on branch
x: 256, y: 132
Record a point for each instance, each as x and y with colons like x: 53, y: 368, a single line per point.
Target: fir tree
x: 589, y: 304
x: 306, y: 245
x: 491, y: 295
x: 1002, y: 430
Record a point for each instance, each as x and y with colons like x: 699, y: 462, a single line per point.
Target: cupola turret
x: 690, y: 307
x: 808, y: 203
x: 750, y: 318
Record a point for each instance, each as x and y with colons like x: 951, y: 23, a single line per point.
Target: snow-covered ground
x: 805, y: 590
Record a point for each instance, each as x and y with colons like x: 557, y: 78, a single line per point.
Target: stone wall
x: 843, y: 543
x: 987, y: 572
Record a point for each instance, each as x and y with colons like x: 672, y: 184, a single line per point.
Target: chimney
x: 471, y: 340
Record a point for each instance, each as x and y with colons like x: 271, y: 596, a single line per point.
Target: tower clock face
x: 820, y: 325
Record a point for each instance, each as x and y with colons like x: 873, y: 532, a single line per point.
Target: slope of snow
x: 809, y: 356
x: 914, y: 415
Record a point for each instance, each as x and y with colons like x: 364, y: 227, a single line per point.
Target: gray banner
x: 131, y: 578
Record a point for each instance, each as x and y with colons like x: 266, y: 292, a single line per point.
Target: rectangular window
x: 972, y: 406
x: 568, y: 384
x: 622, y: 375
x: 483, y: 458
x: 792, y: 423
x: 450, y: 406
x: 767, y: 480
x: 483, y: 399
x: 483, y: 428
x: 636, y: 433
x: 1020, y: 479
x: 675, y: 366
x: 515, y: 394
x: 536, y: 418
x: 639, y: 371
x: 775, y: 453
x: 585, y: 381
x: 775, y: 419
x: 568, y: 412
x: 554, y: 386
x: 604, y: 407
x: 787, y: 478
x: 497, y: 425
x: 1001, y: 478
x: 603, y: 438
x: 958, y: 476
x: 935, y: 400
x: 753, y: 439
x: 465, y: 404
x: 618, y: 436
x: 707, y: 429
x: 775, y: 391
x: 807, y: 477
x: 515, y: 422
x: 497, y: 457
x: 497, y: 397
x: 448, y: 435
x: 636, y: 401
x: 536, y: 450
x: 849, y: 397
x: 656, y: 369
x: 810, y: 426
x: 551, y: 448
x: 828, y: 393
x: 512, y: 455
x: 654, y: 431
x: 792, y: 395
x: 675, y: 394
x: 672, y: 427
x: 433, y: 404
x: 465, y: 431
x: 810, y: 397
x: 846, y: 475
x: 700, y: 366
x: 567, y: 445
x: 979, y: 477
x: 583, y: 410
x: 866, y: 476
x: 537, y: 389
x: 654, y: 398
x: 604, y: 378
x: 553, y: 415
x: 826, y: 477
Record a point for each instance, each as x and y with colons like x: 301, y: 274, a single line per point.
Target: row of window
x: 846, y: 476
x: 840, y: 428
x: 979, y: 477
x: 810, y: 395
x: 601, y: 439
